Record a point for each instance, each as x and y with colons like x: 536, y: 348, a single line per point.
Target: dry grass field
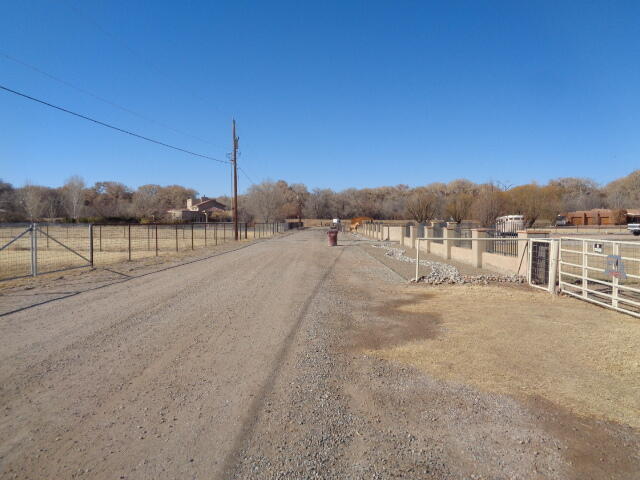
x: 526, y: 344
x: 67, y: 246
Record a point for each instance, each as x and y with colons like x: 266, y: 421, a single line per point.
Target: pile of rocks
x: 444, y: 273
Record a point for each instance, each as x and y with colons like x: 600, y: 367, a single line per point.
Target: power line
x: 98, y: 97
x: 246, y: 175
x: 111, y: 126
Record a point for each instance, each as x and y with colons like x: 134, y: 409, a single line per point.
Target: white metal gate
x: 605, y: 272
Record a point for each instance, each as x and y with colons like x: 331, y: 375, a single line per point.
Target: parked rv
x: 509, y: 224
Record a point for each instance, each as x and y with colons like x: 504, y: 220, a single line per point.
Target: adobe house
x: 204, y: 210
x: 597, y: 216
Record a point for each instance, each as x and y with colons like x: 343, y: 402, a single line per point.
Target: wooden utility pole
x: 235, y: 182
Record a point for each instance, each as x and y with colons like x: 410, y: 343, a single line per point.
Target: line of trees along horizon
x: 271, y: 201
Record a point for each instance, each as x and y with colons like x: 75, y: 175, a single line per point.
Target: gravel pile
x: 444, y: 273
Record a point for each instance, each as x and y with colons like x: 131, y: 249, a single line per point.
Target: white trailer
x: 509, y: 223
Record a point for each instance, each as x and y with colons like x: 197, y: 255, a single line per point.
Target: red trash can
x: 332, y: 237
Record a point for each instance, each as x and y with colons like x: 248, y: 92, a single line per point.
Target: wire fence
x: 32, y: 249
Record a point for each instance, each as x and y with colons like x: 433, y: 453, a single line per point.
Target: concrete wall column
x: 447, y: 233
x: 478, y: 247
x: 413, y: 233
x: 429, y: 232
x: 402, y: 232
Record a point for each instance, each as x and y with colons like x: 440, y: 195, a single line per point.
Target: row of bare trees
x: 277, y: 200
x: 77, y: 202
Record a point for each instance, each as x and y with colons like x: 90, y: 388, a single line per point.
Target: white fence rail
x: 604, y: 272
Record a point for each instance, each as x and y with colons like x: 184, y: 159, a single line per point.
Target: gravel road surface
x: 253, y: 364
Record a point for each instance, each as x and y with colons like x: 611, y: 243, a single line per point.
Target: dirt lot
x: 289, y: 359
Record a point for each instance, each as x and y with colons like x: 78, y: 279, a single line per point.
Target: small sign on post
x: 597, y: 248
x: 615, y: 267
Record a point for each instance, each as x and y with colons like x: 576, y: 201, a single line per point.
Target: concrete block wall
x: 476, y: 256
x: 395, y: 233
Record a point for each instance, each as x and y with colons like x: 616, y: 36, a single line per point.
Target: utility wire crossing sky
x: 334, y: 94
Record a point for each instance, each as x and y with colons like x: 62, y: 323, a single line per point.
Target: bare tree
x: 488, y: 205
x: 31, y: 198
x: 318, y: 204
x: 297, y: 198
x: 535, y: 202
x: 266, y: 200
x: 53, y: 203
x: 146, y: 202
x: 624, y: 192
x: 110, y: 199
x: 422, y: 205
x: 579, y: 193
x: 72, y: 192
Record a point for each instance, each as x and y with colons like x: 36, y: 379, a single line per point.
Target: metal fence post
x: 129, y: 240
x: 615, y: 290
x: 100, y: 237
x: 156, y: 239
x: 176, y: 237
x: 34, y: 249
x: 205, y: 234
x: 585, y: 283
x: 191, y: 235
x: 417, y: 259
x: 554, y: 250
x: 91, y: 244
x: 245, y: 230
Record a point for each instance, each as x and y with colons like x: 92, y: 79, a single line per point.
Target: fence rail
x: 604, y: 272
x: 32, y: 249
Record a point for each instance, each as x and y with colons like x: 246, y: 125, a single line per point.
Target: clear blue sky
x: 332, y: 93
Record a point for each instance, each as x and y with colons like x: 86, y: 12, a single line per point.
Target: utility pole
x: 235, y: 182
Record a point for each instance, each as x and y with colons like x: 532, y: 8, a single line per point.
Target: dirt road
x: 253, y: 364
